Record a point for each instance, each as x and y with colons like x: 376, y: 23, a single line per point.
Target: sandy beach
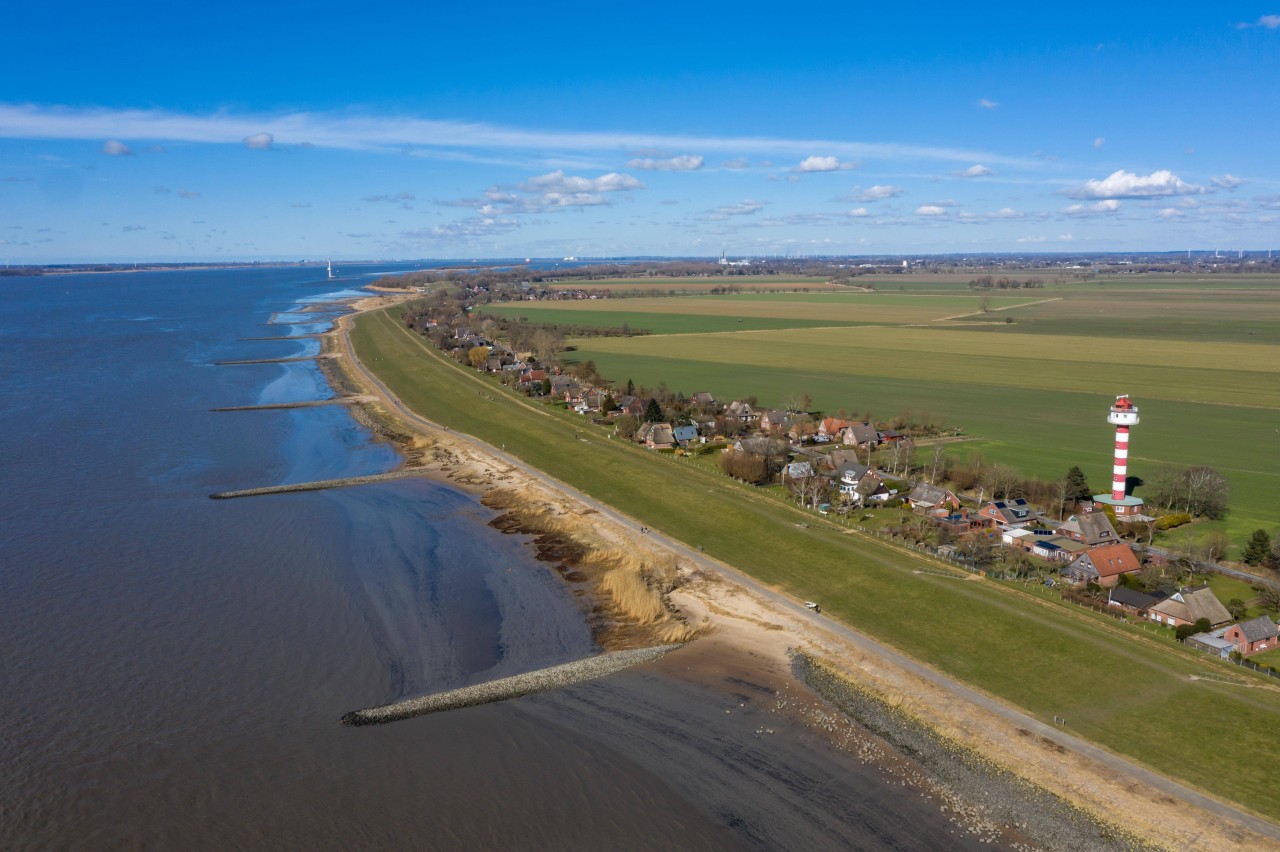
x: 642, y: 588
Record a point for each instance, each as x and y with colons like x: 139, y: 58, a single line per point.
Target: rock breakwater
x: 515, y: 686
x: 317, y: 485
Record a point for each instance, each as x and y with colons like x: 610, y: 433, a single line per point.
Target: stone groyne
x: 270, y: 360
x: 284, y: 337
x: 515, y: 686
x: 317, y: 485
x: 272, y: 406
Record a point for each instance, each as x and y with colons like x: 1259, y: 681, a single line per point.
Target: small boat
x: 330, y: 267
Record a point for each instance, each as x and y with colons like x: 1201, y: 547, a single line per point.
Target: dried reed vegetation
x: 628, y: 586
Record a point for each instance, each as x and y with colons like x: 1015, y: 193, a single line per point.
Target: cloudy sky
x: 151, y: 131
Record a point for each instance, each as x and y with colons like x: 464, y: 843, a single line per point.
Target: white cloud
x: 736, y: 163
x: 1099, y: 141
x: 878, y: 192
x: 683, y: 163
x: 1031, y: 239
x: 1122, y: 184
x: 974, y: 171
x: 742, y: 208
x: 824, y: 164
x: 259, y: 141
x: 858, y: 212
x: 930, y: 210
x: 1065, y: 238
x: 113, y: 148
x: 1170, y: 213
x: 1227, y: 181
x: 397, y: 134
x: 1266, y: 22
x: 558, y: 181
x: 464, y: 230
x: 987, y: 104
x: 1109, y: 205
x: 1006, y: 213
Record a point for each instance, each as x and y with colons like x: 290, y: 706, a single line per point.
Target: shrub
x: 1168, y: 522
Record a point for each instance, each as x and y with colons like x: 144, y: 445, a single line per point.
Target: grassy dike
x: 1133, y: 696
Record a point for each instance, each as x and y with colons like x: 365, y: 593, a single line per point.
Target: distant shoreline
x: 110, y: 268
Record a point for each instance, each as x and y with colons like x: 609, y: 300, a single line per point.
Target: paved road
x: 861, y: 641
x: 1252, y: 579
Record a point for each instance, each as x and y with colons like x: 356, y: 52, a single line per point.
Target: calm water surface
x: 172, y: 668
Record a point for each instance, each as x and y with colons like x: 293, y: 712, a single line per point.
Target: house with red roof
x: 1103, y: 565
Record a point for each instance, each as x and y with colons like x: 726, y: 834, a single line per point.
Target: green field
x: 809, y: 309
x: 655, y: 323
x: 694, y: 283
x: 1124, y: 689
x: 1200, y: 357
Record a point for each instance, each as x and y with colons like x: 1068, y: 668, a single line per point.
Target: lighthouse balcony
x: 1123, y: 417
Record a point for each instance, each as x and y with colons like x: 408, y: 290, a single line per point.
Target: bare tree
x: 811, y: 491
x: 1001, y: 480
x: 1214, y: 545
x: 939, y: 464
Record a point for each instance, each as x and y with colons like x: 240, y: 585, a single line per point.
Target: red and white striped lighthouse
x: 1123, y: 414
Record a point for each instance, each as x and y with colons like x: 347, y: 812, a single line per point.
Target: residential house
x: 631, y: 405
x: 1187, y: 606
x: 1252, y: 636
x: 1133, y: 601
x: 889, y: 436
x: 798, y: 470
x: 961, y: 523
x: 836, y: 458
x: 1092, y: 528
x: 861, y: 435
x: 767, y: 447
x: 743, y: 411
x: 1103, y: 565
x: 773, y: 419
x: 703, y: 400
x: 861, y: 484
x: 1010, y: 513
x: 926, y: 498
x: 530, y: 376
x: 656, y: 436
x: 562, y: 384
x: 685, y: 435
x: 831, y: 429
x: 1055, y: 548
x: 591, y: 400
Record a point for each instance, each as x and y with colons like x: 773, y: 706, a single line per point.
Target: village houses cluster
x: 829, y: 464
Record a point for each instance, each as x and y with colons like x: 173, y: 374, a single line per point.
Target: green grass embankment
x: 1133, y: 696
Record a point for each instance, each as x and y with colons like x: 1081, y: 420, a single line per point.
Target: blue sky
x: 150, y: 131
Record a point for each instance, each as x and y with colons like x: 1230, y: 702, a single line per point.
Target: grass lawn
x: 1117, y: 688
x: 1267, y: 658
x: 1226, y: 588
